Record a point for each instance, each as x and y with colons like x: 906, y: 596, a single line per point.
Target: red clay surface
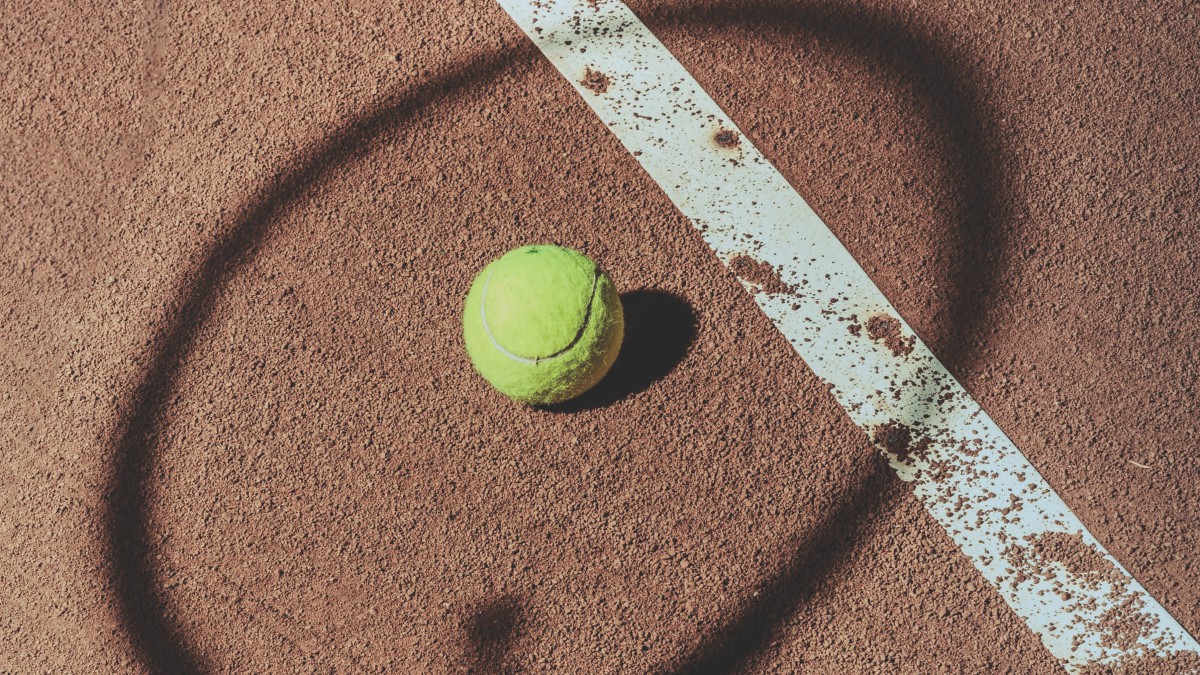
x: 240, y: 432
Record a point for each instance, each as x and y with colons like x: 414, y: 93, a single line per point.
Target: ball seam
x: 587, y: 316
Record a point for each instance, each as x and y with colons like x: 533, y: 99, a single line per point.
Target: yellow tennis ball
x: 543, y: 324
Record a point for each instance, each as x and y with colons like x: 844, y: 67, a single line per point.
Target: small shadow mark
x: 491, y: 631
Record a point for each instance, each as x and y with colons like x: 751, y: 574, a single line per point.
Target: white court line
x: 1086, y: 608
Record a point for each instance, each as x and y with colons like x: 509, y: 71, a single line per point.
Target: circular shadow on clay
x: 139, y: 592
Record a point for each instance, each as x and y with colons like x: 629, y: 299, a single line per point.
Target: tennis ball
x: 543, y: 324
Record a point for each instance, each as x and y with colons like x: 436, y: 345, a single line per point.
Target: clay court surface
x: 240, y: 433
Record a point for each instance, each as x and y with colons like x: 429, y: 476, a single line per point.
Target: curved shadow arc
x: 156, y: 634
x: 952, y: 101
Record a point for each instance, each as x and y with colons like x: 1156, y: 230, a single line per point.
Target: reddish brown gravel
x: 1071, y: 551
x: 886, y: 329
x: 240, y: 433
x: 1149, y: 665
x: 727, y: 138
x: 893, y: 437
x: 759, y: 273
x: 596, y: 81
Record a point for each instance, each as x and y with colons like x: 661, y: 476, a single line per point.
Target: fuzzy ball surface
x: 543, y: 324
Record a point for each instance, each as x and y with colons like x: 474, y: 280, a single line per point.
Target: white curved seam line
x: 587, y: 316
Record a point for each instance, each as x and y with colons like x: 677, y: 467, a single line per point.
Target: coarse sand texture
x: 543, y: 324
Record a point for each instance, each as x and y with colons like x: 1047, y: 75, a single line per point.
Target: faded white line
x: 1082, y: 603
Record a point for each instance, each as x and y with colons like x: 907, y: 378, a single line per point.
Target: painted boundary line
x: 1079, y: 600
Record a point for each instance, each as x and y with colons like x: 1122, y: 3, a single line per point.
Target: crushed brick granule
x: 760, y: 274
x: 727, y: 138
x: 595, y: 80
x: 886, y: 329
x: 893, y: 437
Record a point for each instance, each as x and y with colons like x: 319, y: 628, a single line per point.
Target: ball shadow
x: 659, y: 329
